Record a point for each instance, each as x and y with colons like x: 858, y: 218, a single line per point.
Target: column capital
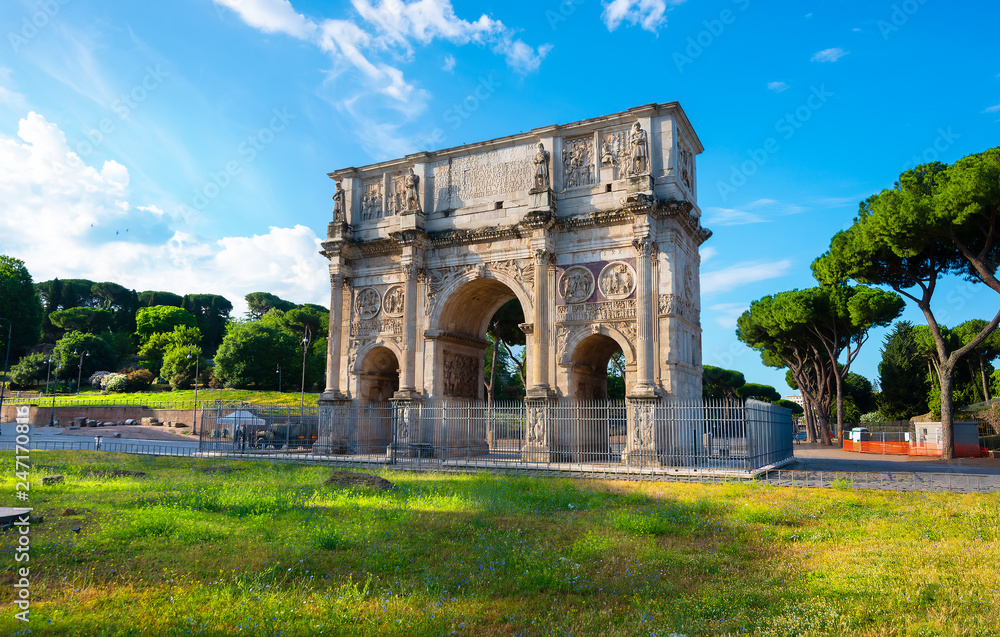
x: 544, y: 256
x: 644, y: 246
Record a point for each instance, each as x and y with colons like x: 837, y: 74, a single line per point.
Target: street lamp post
x: 305, y: 350
x: 5, y: 361
x: 197, y: 362
x: 48, y: 375
x: 278, y: 372
x: 79, y: 373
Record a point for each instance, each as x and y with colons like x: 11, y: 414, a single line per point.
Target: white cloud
x: 741, y: 274
x: 732, y: 217
x: 828, y: 55
x: 993, y: 109
x: 449, y: 64
x: 648, y: 14
x: 64, y: 217
x: 708, y: 253
x: 725, y: 314
x: 386, y: 25
x: 738, y: 217
x: 777, y: 87
x: 273, y: 16
x: 520, y: 56
x: 393, y: 28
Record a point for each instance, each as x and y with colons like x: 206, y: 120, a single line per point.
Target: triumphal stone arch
x: 592, y: 226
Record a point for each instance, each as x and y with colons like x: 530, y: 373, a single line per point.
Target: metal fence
x: 249, y: 428
x: 668, y: 435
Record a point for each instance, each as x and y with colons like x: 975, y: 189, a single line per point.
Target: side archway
x: 585, y: 358
x: 378, y: 374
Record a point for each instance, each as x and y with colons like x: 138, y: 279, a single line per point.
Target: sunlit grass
x: 268, y: 549
x: 153, y: 398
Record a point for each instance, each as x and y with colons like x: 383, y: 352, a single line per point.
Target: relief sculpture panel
x: 461, y: 373
x: 615, y: 152
x: 576, y: 284
x: 617, y: 280
x: 607, y: 311
x: 578, y: 161
x: 371, y: 199
x: 392, y: 304
x: 367, y: 303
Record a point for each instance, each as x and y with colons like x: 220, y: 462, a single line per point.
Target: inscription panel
x: 460, y: 180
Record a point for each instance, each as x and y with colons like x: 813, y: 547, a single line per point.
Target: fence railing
x: 656, y: 434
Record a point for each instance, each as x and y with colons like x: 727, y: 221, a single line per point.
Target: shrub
x: 214, y: 382
x: 180, y: 381
x: 97, y: 378
x: 116, y: 383
x: 871, y: 416
x: 139, y: 379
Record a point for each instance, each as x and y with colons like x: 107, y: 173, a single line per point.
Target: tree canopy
x: 935, y: 221
x: 721, y: 383
x: 211, y: 311
x: 781, y: 327
x: 759, y: 392
x: 902, y: 375
x: 149, y: 298
x: 82, y: 319
x: 19, y: 304
x: 161, y: 318
x: 260, y: 303
x: 97, y: 356
x: 250, y: 353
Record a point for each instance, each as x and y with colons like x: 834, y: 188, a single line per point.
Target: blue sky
x: 184, y: 146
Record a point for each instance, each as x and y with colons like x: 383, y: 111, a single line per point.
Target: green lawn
x: 267, y: 549
x: 153, y: 398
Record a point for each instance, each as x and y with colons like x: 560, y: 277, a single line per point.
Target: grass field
x: 267, y: 549
x: 154, y: 398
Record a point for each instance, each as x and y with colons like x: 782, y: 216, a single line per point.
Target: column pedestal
x: 333, y: 436
x: 406, y: 435
x: 539, y: 428
x: 641, y: 445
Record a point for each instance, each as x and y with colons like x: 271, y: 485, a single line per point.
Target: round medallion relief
x: 392, y: 302
x: 576, y: 284
x: 367, y: 303
x: 617, y: 280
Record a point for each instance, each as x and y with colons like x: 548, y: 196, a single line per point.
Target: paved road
x: 54, y: 437
x: 814, y: 457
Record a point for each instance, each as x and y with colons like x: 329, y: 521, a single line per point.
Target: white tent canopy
x: 241, y: 417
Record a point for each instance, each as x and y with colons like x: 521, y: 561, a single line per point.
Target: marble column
x: 542, y: 332
x: 335, y: 337
x: 406, y: 381
x: 646, y: 303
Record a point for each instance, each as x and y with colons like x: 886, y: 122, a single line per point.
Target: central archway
x: 458, y: 362
x: 461, y: 336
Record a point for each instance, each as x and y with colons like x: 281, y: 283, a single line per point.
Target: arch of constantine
x: 593, y: 227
